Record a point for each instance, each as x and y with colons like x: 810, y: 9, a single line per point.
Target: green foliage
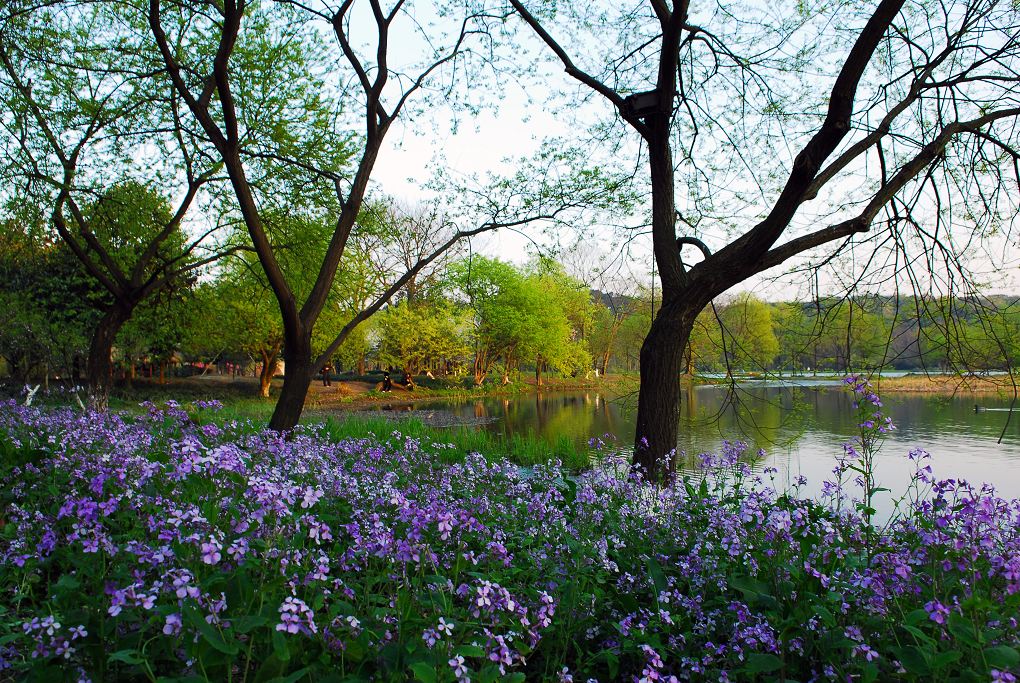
x: 565, y: 313
x: 750, y: 340
x: 414, y: 336
x: 181, y: 543
x: 158, y: 327
x: 47, y: 303
x: 125, y: 220
x: 524, y: 316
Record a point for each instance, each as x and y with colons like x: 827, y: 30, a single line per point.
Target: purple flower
x: 173, y: 624
x: 937, y: 612
x: 296, y: 617
x: 211, y: 551
x: 459, y: 670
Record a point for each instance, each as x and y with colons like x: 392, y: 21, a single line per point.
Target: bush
x: 158, y: 548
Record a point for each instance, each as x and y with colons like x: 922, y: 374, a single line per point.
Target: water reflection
x: 801, y: 429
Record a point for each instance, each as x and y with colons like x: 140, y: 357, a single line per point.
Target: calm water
x: 801, y: 429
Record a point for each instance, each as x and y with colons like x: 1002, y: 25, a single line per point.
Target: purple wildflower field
x: 172, y: 547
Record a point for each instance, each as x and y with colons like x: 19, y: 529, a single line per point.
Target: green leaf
x: 487, y: 675
x: 248, y: 623
x: 281, y: 648
x: 339, y: 607
x: 913, y: 659
x: 944, y: 659
x: 1002, y: 657
x: 758, y: 663
x: 827, y: 617
x: 210, y: 634
x: 68, y: 582
x: 424, y: 672
x: 917, y: 617
x: 917, y: 633
x: 962, y: 629
x: 293, y: 678
x: 658, y: 576
x: 127, y: 657
x: 271, y: 669
x: 470, y: 651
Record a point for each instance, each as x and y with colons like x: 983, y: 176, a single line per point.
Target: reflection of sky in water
x: 801, y: 429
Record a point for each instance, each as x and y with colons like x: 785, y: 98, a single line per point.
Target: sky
x: 413, y: 151
x: 515, y: 130
x: 484, y: 145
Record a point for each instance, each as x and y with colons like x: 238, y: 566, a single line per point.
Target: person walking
x: 327, y: 369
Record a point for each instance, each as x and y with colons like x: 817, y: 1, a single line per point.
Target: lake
x: 800, y: 428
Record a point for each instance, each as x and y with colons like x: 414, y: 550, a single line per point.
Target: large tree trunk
x: 99, y: 366
x: 297, y: 378
x: 538, y: 371
x: 655, y: 437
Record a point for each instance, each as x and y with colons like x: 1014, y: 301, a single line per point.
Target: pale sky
x: 411, y: 152
x: 414, y: 151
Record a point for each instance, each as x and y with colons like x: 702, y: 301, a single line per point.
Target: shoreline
x: 356, y: 395
x: 346, y: 395
x: 932, y: 384
x: 948, y: 385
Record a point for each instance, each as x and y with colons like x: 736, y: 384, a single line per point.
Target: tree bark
x: 538, y: 371
x: 270, y: 362
x: 296, y: 380
x: 655, y: 437
x: 99, y: 366
x: 481, y: 367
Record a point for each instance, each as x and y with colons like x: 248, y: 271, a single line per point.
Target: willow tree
x: 896, y: 120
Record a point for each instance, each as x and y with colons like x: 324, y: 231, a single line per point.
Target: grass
x: 526, y: 450
x: 522, y: 449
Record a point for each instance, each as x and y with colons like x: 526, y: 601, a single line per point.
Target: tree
x: 923, y: 106
x: 89, y: 135
x: 47, y: 302
x: 413, y: 336
x: 370, y: 82
x: 237, y: 314
x: 508, y: 315
x: 564, y: 315
x: 750, y: 340
x: 847, y: 335
x: 156, y: 331
x: 244, y: 303
x: 706, y: 346
x: 793, y: 331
